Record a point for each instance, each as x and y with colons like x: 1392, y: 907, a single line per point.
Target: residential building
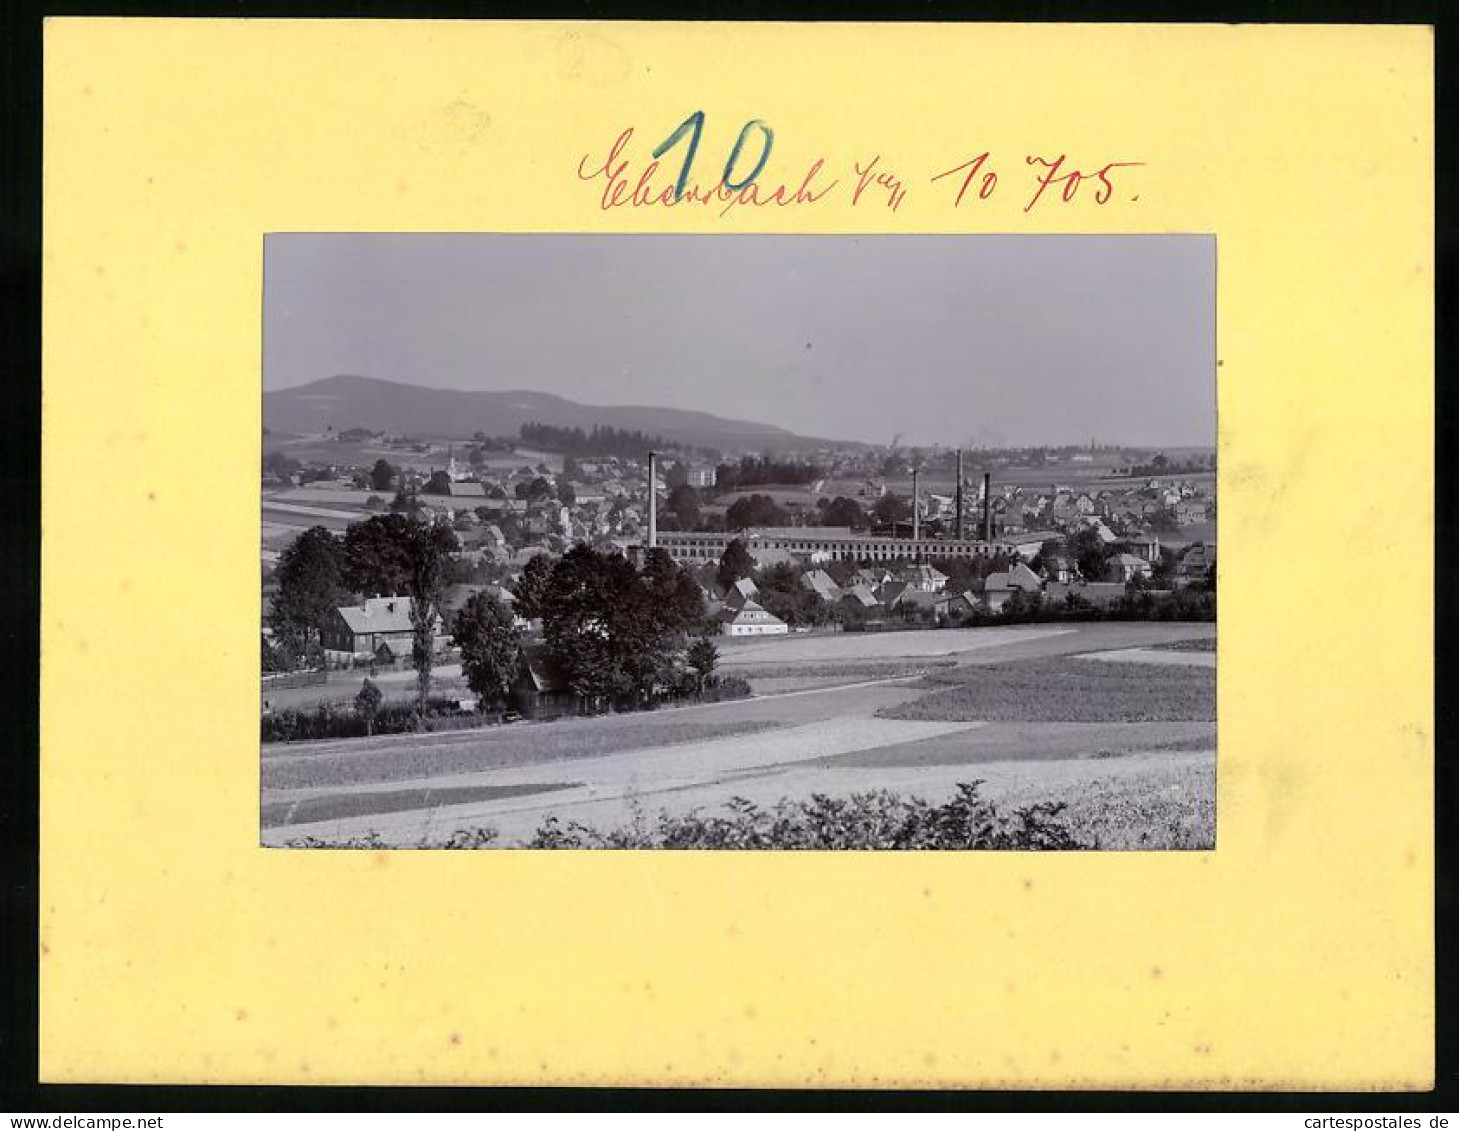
x: 381, y: 623
x: 742, y: 591
x: 1195, y: 562
x: 751, y: 619
x: 822, y: 584
x: 540, y: 690
x: 859, y: 596
x: 1123, y: 568
x: 1001, y: 585
x: 924, y: 578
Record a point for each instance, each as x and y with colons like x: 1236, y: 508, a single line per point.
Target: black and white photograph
x: 738, y: 542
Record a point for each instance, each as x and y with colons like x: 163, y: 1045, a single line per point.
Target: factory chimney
x: 987, y: 507
x: 959, y: 494
x: 653, y: 500
x: 916, y: 516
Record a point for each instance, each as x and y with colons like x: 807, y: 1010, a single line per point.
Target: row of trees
x: 600, y: 441
x: 681, y: 511
x: 758, y: 471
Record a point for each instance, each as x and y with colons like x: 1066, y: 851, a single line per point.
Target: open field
x: 862, y: 646
x: 363, y: 453
x: 315, y: 495
x: 870, y: 734
x: 290, y: 516
x: 409, y: 757
x: 1067, y: 691
x: 1036, y: 742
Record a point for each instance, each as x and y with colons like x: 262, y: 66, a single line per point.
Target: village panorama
x: 549, y: 636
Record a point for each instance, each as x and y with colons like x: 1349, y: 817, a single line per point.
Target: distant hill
x: 345, y: 401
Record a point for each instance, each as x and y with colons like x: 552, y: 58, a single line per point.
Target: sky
x: 945, y: 339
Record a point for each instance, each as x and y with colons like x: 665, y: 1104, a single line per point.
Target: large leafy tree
x: 703, y: 657
x: 891, y: 509
x: 782, y: 593
x: 490, y: 647
x: 755, y: 510
x: 532, y: 586
x: 538, y: 490
x: 683, y: 504
x: 612, y: 631
x: 429, y: 546
x: 587, y: 609
x: 1089, y: 553
x: 735, y: 563
x: 377, y: 555
x: 311, y: 584
x: 382, y: 475
x: 676, y: 597
x: 844, y: 512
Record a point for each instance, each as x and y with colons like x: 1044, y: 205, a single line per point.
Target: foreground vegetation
x: 862, y: 821
x: 1065, y: 691
x: 1207, y: 644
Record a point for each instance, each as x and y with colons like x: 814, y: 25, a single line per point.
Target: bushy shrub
x: 725, y: 687
x: 875, y: 820
x: 329, y: 720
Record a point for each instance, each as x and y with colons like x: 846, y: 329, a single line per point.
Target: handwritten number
x: 696, y: 120
x: 729, y: 166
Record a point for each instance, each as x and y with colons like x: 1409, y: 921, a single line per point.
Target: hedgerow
x: 861, y: 821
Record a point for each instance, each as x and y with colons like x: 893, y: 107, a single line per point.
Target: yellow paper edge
x: 1297, y: 955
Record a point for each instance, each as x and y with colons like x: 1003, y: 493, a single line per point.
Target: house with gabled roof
x: 362, y: 631
x: 1001, y: 585
x: 871, y: 576
x: 1195, y: 562
x: 750, y: 619
x: 821, y: 583
x: 860, y: 596
x: 923, y: 577
x: 892, y: 593
x: 1123, y: 568
x: 947, y: 604
x: 740, y: 592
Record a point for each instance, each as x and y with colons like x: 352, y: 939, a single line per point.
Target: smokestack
x: 959, y: 503
x: 916, y: 517
x: 987, y: 507
x: 653, y: 500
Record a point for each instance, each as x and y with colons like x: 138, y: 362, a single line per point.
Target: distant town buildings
x: 841, y: 544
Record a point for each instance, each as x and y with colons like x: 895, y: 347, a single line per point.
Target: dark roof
x: 538, y: 670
